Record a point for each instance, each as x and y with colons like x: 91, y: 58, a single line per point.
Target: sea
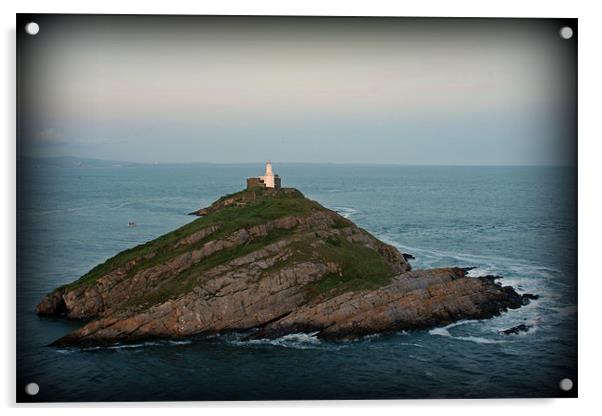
x: 513, y: 221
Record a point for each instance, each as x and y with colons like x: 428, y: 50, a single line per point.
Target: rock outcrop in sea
x: 268, y: 262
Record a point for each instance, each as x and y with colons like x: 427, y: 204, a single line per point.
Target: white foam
x: 125, y: 346
x: 409, y: 344
x: 128, y: 346
x: 298, y: 341
x: 486, y: 264
x: 444, y: 332
x: 65, y: 351
x: 119, y: 206
x: 480, y: 340
x: 345, y: 212
x: 181, y: 342
x: 440, y: 331
x: 479, y: 272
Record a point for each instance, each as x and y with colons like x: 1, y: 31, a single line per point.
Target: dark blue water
x: 519, y: 222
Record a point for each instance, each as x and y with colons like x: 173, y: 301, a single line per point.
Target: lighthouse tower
x: 268, y: 169
x: 268, y: 179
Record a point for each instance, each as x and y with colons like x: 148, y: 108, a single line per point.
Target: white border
x: 590, y: 209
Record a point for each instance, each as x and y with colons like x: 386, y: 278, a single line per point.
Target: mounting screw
x: 32, y: 389
x: 566, y: 32
x: 32, y: 28
x: 566, y: 384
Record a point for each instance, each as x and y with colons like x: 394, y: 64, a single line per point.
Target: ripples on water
x: 512, y: 222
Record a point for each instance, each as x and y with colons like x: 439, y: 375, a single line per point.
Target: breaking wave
x: 128, y: 346
x: 298, y: 341
x: 444, y: 332
x: 345, y: 212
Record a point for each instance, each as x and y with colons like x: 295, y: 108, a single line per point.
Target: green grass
x: 259, y: 209
x: 361, y: 269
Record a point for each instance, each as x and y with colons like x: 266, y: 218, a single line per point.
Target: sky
x: 314, y: 90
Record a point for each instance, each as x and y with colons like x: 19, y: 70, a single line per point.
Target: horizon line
x: 293, y: 163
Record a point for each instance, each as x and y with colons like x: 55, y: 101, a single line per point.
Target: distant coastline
x: 75, y: 161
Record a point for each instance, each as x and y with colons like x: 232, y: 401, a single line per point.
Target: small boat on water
x: 131, y: 224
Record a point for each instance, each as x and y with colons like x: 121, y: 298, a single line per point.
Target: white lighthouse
x: 269, y: 180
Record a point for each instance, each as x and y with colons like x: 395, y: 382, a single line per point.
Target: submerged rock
x: 275, y: 262
x: 517, y: 329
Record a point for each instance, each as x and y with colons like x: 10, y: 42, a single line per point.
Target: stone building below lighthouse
x: 269, y: 180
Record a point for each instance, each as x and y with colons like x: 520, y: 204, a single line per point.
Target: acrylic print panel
x: 276, y: 208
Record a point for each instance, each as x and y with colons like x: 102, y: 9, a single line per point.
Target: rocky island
x: 268, y: 262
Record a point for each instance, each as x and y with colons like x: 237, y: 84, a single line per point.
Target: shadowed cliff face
x: 273, y: 262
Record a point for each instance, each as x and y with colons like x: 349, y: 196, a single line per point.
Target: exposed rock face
x: 414, y: 300
x: 274, y: 262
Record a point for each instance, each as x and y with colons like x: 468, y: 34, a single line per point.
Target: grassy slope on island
x: 257, y: 210
x: 361, y: 268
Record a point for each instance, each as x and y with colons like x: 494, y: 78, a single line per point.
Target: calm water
x: 515, y: 221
